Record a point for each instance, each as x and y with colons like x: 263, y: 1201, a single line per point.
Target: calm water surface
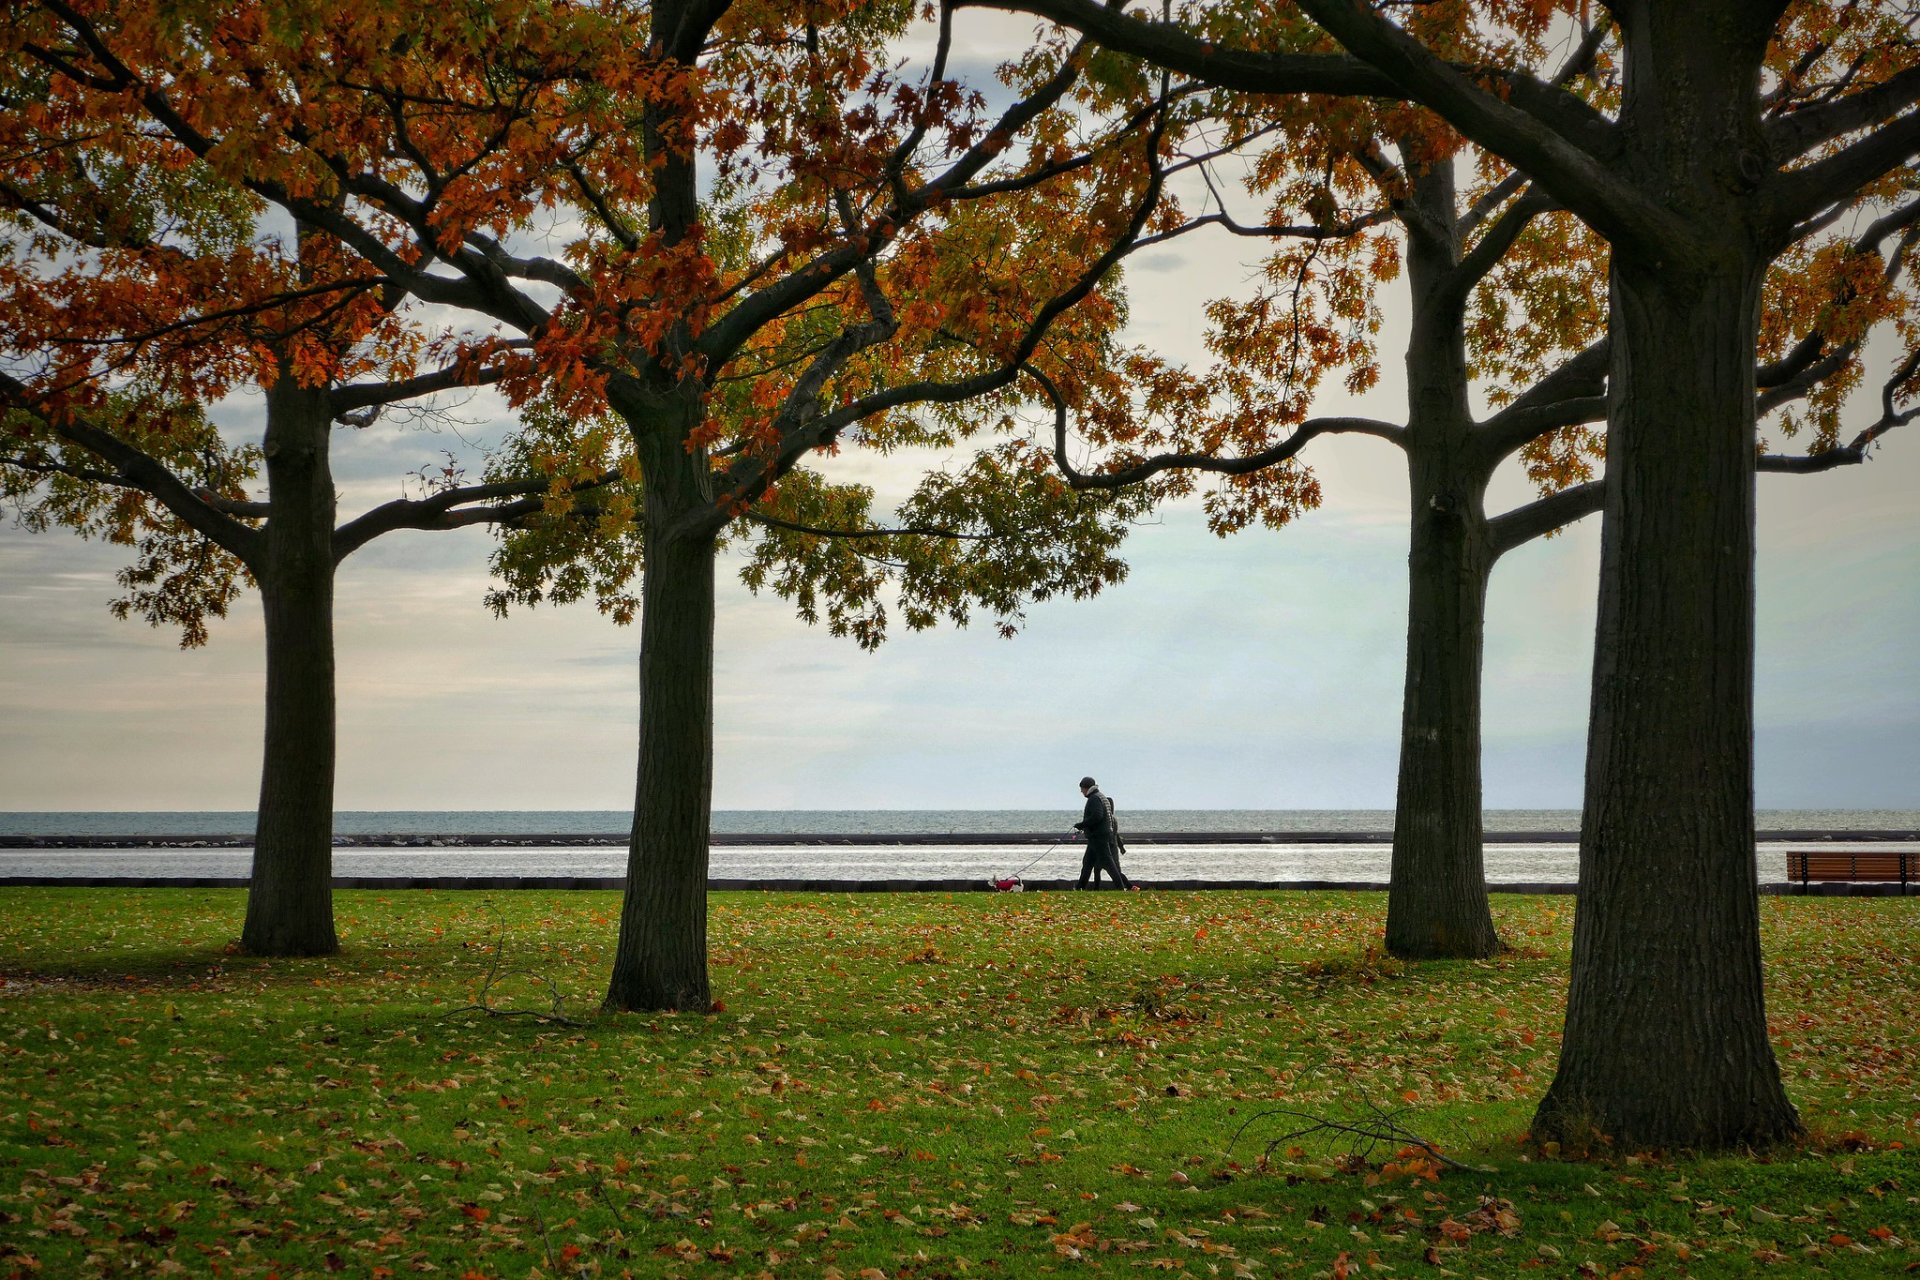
x: 1542, y: 862
x: 564, y: 822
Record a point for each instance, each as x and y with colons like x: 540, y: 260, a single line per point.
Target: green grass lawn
x: 896, y: 1085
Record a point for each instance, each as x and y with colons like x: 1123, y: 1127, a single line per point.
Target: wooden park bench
x: 1807, y: 865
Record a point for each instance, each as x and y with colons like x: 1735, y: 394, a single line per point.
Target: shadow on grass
x: 170, y: 967
x: 175, y: 967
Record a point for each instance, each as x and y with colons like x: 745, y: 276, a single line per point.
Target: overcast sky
x: 1262, y: 671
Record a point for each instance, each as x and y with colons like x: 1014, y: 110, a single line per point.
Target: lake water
x: 916, y: 822
x: 925, y: 858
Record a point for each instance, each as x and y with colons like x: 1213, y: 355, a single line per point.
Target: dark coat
x: 1103, y: 843
x: 1097, y: 821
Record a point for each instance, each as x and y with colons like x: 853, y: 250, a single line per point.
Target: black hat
x: 1088, y: 782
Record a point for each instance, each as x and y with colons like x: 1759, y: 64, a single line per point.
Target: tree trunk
x: 1666, y: 1033
x: 1437, y: 899
x: 661, y: 959
x: 290, y: 899
x: 1437, y: 902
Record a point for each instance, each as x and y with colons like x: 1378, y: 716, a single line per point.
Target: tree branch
x: 1542, y: 128
x: 438, y: 511
x: 1571, y: 389
x: 1802, y: 193
x: 1492, y: 247
x: 1811, y: 361
x: 1276, y: 231
x: 53, y: 467
x: 1303, y: 435
x: 1484, y: 207
x: 1560, y: 509
x: 826, y: 426
x: 244, y: 509
x: 1554, y: 136
x: 1544, y: 515
x: 483, y: 287
x: 1170, y: 45
x: 729, y: 333
x: 362, y: 395
x: 896, y: 165
x: 1794, y: 133
x: 905, y: 531
x: 1807, y: 464
x: 1859, y: 449
x: 141, y: 470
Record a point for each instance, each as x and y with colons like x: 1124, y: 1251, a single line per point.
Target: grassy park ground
x: 897, y: 1086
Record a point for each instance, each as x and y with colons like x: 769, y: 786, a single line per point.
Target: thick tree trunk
x: 661, y: 959
x: 1666, y: 1034
x: 290, y: 900
x: 1437, y: 900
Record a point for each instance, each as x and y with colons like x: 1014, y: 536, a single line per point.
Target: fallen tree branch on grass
x: 1361, y: 1136
x: 555, y: 1015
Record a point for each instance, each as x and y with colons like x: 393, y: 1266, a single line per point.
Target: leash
x: 1036, y: 862
x: 1012, y: 882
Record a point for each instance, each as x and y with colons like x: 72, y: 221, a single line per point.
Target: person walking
x: 1097, y: 825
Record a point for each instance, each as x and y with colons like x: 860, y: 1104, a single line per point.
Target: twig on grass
x: 600, y: 1185
x: 1379, y: 1127
x: 555, y: 1016
x: 545, y: 1237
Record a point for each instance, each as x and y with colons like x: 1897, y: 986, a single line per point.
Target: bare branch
x: 1303, y: 435
x: 483, y: 1003
x: 1544, y: 515
x: 361, y: 395
x: 442, y: 510
x: 1379, y: 1128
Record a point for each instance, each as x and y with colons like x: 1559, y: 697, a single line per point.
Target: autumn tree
x: 1357, y: 195
x: 1741, y: 129
x: 136, y: 296
x: 1505, y: 291
x: 917, y: 271
x: 778, y: 241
